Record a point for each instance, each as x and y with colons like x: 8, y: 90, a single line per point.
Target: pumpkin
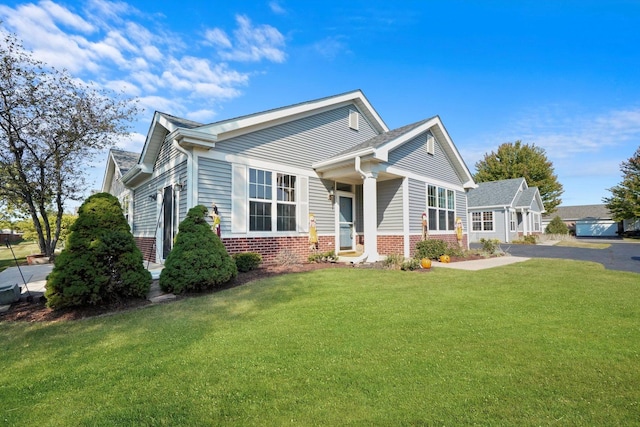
x: 445, y: 258
x: 425, y: 263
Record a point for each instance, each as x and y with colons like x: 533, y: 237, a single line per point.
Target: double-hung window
x: 271, y: 210
x: 482, y: 221
x: 512, y: 220
x: 441, y: 205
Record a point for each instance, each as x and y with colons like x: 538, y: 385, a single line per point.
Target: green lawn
x: 21, y: 251
x: 544, y: 342
x: 586, y: 245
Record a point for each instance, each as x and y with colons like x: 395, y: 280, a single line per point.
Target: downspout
x: 365, y: 254
x: 191, y: 181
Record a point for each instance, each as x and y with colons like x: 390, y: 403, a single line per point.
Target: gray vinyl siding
x: 214, y: 186
x: 301, y: 142
x: 413, y: 157
x: 116, y: 187
x: 498, y: 226
x: 145, y: 210
x: 417, y: 204
x: 321, y: 206
x: 167, y: 153
x: 390, y: 206
x: 461, y: 209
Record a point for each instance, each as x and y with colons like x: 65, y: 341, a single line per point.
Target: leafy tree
x: 198, y: 259
x: 50, y: 124
x: 624, y: 202
x: 101, y: 262
x: 28, y: 231
x: 557, y: 226
x: 516, y: 160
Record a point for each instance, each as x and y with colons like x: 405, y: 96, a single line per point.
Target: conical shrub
x: 198, y: 259
x: 100, y: 263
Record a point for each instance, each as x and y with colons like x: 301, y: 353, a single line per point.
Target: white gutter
x: 190, y: 179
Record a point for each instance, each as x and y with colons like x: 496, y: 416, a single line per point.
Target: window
x: 441, y: 205
x: 512, y: 220
x: 482, y: 221
x: 536, y: 221
x: 263, y: 202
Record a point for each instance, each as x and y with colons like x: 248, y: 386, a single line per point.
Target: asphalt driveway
x: 619, y: 256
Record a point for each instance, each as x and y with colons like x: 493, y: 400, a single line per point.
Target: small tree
x: 518, y: 160
x: 100, y: 263
x: 198, y: 259
x: 624, y: 202
x: 557, y: 226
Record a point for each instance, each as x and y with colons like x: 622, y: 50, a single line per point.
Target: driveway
x: 619, y: 256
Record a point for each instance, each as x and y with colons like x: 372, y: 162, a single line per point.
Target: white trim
x: 256, y: 163
x: 172, y: 164
x: 421, y: 178
x: 406, y: 225
x: 336, y: 202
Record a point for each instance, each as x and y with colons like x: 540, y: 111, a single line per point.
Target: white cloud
x: 277, y: 8
x: 132, y: 142
x: 249, y: 43
x: 64, y: 16
x: 330, y: 47
x: 202, y: 116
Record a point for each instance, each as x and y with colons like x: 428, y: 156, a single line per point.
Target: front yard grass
x: 586, y: 245
x: 21, y: 251
x: 535, y: 343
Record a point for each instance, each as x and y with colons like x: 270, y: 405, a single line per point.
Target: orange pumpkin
x: 425, y: 263
x: 445, y: 258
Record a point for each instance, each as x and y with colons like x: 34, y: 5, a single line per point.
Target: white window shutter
x: 239, y: 208
x: 303, y: 204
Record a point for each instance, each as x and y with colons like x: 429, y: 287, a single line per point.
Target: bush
x: 100, y: 263
x: 198, y: 259
x: 393, y: 261
x: 433, y: 249
x: 557, y: 226
x: 247, y: 261
x: 329, y: 256
x: 411, y: 264
x: 490, y: 246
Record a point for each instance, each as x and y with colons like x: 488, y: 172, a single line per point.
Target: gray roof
x: 124, y: 160
x: 180, y: 122
x: 382, y: 139
x: 495, y: 193
x: 568, y: 213
x: 526, y: 198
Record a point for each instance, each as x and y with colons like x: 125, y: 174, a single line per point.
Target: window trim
x: 482, y: 222
x: 274, y: 201
x: 441, y: 205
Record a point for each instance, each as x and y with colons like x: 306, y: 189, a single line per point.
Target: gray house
x: 326, y: 174
x: 118, y: 164
x: 504, y: 210
x: 589, y: 221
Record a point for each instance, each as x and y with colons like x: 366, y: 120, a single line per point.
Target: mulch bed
x: 36, y: 311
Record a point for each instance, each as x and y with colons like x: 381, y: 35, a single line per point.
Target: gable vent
x: 431, y: 144
x: 354, y: 120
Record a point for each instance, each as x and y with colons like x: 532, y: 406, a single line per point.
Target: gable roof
x: 381, y: 145
x: 119, y: 162
x: 572, y: 213
x: 189, y: 133
x: 495, y: 193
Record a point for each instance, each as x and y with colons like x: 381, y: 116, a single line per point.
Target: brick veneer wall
x: 147, y: 247
x: 388, y: 245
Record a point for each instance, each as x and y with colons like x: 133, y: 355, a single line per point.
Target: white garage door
x: 596, y: 228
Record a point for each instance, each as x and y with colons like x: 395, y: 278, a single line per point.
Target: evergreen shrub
x: 100, y: 262
x: 557, y: 226
x: 198, y: 259
x: 247, y: 261
x: 431, y: 249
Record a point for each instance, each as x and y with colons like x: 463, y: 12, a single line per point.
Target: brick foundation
x: 147, y: 247
x: 269, y: 247
x: 388, y: 245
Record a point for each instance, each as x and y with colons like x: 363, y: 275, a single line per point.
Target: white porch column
x: 370, y: 216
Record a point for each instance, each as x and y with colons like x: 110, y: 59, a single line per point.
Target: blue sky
x: 562, y: 75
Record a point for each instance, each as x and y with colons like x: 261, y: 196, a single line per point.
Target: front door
x: 345, y: 222
x: 167, y: 224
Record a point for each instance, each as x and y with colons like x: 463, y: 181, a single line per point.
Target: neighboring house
x: 504, y: 210
x: 118, y: 164
x: 333, y: 159
x: 587, y: 220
